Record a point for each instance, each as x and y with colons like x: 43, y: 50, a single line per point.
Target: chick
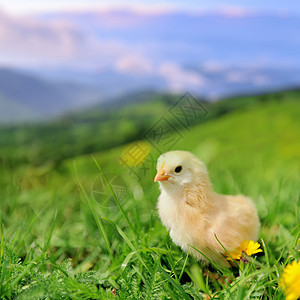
x: 194, y: 213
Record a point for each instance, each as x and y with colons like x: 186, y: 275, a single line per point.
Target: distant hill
x: 24, y: 97
x: 103, y: 127
x: 31, y: 97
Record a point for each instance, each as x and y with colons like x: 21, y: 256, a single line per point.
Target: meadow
x: 87, y: 227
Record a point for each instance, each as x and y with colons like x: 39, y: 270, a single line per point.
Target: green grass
x: 54, y: 141
x: 59, y: 242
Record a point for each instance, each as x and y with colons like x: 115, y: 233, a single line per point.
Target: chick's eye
x: 178, y: 169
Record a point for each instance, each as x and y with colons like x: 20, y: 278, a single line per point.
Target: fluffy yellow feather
x: 193, y: 213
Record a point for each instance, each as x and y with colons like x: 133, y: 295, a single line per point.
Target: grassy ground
x: 64, y: 237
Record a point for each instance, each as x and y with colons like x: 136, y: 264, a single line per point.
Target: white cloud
x: 213, y: 67
x: 247, y: 75
x: 21, y: 7
x: 236, y: 77
x: 261, y: 80
x: 177, y: 78
x: 134, y: 64
x: 180, y: 79
x: 236, y: 12
x: 26, y: 41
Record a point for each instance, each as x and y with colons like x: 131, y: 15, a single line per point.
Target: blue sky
x: 246, y: 44
x: 35, y: 6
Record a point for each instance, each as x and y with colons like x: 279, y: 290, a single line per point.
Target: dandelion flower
x: 235, y: 254
x: 251, y: 247
x: 247, y: 247
x: 290, y: 281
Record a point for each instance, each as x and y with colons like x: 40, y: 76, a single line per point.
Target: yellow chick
x: 194, y: 213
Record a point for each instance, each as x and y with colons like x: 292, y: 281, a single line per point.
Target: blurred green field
x: 59, y: 241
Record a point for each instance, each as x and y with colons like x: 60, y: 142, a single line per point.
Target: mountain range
x: 27, y: 97
x: 76, y: 59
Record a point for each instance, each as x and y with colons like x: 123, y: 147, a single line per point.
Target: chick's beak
x: 161, y: 177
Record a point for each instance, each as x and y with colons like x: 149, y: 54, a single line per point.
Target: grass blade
x: 114, y: 195
x: 96, y: 217
x: 226, y: 251
x: 219, y: 270
x: 128, y: 242
x: 184, y: 264
x: 174, y: 283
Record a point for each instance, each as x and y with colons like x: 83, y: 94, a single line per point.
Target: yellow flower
x: 251, y: 247
x: 290, y: 281
x: 235, y: 254
x: 246, y: 247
